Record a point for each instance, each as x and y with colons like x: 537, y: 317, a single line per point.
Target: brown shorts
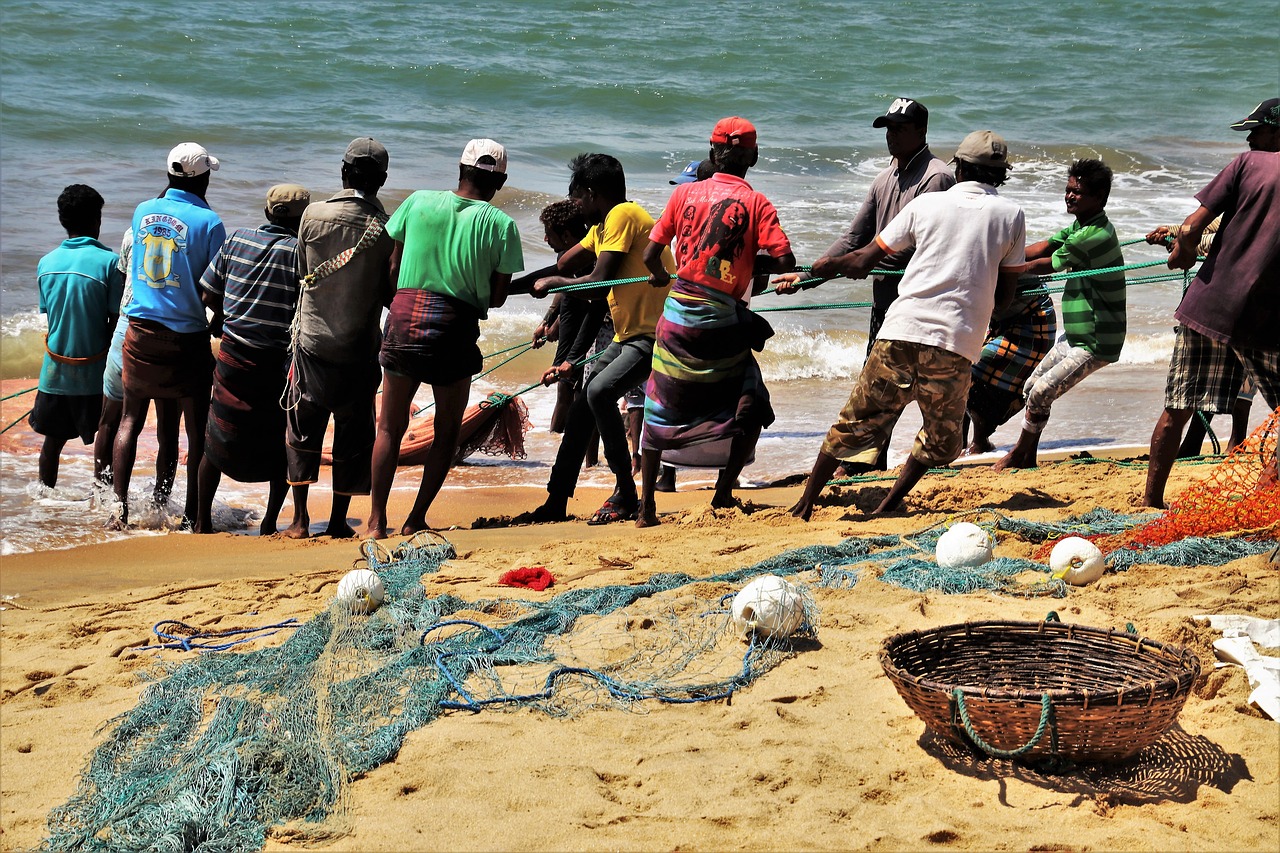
x: 897, y: 372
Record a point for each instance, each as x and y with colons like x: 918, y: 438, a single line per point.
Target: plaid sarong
x: 705, y: 385
x: 431, y: 337
x: 1016, y: 342
x: 244, y: 438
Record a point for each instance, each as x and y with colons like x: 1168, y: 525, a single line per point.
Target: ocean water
x: 99, y: 92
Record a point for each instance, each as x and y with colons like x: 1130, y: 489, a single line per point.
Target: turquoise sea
x: 99, y: 92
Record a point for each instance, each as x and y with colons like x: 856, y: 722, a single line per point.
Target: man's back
x: 1235, y: 298
x: 256, y: 275
x: 79, y: 287
x: 341, y: 312
x: 175, y: 238
x: 962, y: 238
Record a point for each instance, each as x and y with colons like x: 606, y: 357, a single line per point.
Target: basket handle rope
x: 1046, y: 714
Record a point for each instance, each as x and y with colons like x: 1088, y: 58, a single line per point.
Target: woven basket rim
x: 1188, y: 662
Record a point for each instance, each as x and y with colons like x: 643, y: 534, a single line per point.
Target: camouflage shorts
x: 897, y: 372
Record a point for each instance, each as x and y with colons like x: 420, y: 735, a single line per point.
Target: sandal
x: 612, y: 512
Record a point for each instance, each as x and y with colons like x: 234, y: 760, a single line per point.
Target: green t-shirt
x: 452, y: 245
x: 1093, y: 315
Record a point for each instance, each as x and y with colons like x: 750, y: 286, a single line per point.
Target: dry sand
x: 821, y: 753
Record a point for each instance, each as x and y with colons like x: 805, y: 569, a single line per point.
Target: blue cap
x: 689, y: 175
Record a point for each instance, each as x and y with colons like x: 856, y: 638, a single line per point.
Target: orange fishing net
x: 1241, y: 496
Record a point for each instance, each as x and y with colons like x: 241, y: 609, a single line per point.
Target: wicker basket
x: 1036, y: 691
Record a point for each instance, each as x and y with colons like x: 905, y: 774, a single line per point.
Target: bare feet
x: 340, y: 531
x: 372, y: 531
x: 414, y: 525
x: 647, y: 516
x: 300, y: 529
x: 1014, y: 459
x: 666, y: 480
x: 978, y: 445
x: 728, y: 501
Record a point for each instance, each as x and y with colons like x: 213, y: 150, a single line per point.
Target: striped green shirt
x: 1092, y: 306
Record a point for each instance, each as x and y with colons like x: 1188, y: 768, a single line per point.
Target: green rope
x: 528, y: 344
x: 1046, y: 714
x: 15, y: 423
x: 17, y: 394
x: 874, y: 478
x: 1208, y: 430
x: 524, y: 348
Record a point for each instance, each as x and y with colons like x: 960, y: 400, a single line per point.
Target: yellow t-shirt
x: 635, y: 308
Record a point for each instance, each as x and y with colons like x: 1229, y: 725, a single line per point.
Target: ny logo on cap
x: 899, y: 105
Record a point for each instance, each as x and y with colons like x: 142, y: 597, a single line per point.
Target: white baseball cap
x: 478, y: 148
x: 190, y: 160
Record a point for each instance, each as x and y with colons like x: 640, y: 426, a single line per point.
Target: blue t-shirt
x: 80, y: 288
x: 175, y: 237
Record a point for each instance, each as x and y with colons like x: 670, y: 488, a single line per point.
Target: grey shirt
x: 342, y: 312
x: 889, y: 193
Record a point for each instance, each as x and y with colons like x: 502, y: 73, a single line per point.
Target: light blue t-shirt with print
x: 175, y: 237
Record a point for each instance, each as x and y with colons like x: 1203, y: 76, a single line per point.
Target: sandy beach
x: 819, y: 754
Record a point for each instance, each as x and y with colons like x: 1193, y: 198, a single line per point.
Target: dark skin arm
x: 393, y: 273
x: 1006, y: 288
x: 213, y: 302
x: 605, y: 269
x: 1039, y: 259
x: 499, y: 282
x: 1183, y: 254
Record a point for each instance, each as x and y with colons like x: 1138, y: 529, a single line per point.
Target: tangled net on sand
x: 226, y: 748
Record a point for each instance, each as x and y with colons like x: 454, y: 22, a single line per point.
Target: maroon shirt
x: 1235, y: 298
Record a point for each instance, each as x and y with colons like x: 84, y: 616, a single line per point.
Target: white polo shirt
x: 962, y: 238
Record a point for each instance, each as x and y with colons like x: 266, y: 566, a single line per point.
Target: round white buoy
x: 1077, y: 561
x: 963, y: 546
x: 361, y: 590
x: 769, y: 606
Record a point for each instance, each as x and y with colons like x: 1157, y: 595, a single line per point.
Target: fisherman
x: 914, y: 171
x: 705, y: 390
x: 618, y: 237
x: 344, y: 266
x: 1093, y: 306
x: 453, y: 259
x: 79, y: 291
x: 1231, y: 310
x: 252, y: 290
x: 167, y: 353
x: 969, y: 246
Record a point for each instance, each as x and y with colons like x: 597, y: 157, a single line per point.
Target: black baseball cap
x: 903, y: 111
x: 1267, y: 112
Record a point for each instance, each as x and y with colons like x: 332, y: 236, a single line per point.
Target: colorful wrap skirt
x: 705, y: 388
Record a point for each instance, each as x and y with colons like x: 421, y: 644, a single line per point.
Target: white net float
x: 361, y: 590
x: 769, y: 606
x: 1077, y: 561
x: 963, y: 546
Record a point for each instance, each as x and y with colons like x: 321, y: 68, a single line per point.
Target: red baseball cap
x: 734, y: 131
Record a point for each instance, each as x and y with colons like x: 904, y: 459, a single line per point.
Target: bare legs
x: 1164, y: 448
x: 825, y: 466
x: 393, y: 420
x: 50, y: 456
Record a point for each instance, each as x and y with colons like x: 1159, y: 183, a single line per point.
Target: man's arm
x: 658, y: 275
x: 1183, y: 254
x: 860, y: 232
x: 393, y: 273
x: 1006, y: 287
x: 605, y: 269
x: 1039, y: 259
x: 853, y: 265
x: 498, y: 284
